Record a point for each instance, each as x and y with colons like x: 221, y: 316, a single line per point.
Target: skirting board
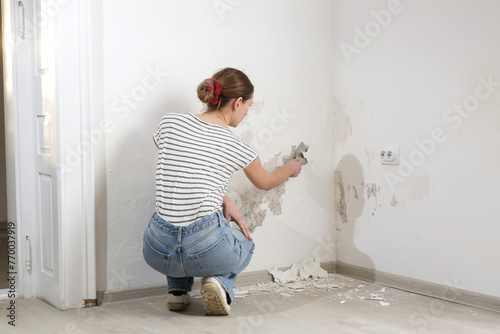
x: 428, y: 289
x: 260, y: 276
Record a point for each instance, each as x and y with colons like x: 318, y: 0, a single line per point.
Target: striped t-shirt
x: 195, y: 162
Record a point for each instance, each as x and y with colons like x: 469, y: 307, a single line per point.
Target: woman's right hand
x: 295, y: 167
x: 264, y: 180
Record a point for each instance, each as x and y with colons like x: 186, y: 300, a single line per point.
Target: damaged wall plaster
x: 348, y: 200
x: 394, y: 201
x: 255, y: 203
x: 372, y: 193
x: 309, y: 267
x: 301, y: 209
x: 340, y: 203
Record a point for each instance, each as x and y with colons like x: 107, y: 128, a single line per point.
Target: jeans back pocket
x: 154, y: 258
x: 220, y: 258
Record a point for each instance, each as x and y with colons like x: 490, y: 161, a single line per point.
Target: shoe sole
x: 216, y: 304
x: 177, y: 306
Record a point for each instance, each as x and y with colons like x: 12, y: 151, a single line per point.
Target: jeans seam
x: 172, y: 228
x: 205, y: 226
x: 155, y: 250
x: 166, y: 257
x: 194, y: 257
x: 202, y: 239
x: 157, y: 238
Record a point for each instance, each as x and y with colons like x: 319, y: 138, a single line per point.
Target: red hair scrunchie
x: 218, y: 90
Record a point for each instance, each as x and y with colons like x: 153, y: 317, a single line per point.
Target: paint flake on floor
x: 373, y: 297
x: 310, y: 267
x: 338, y: 288
x: 307, y: 279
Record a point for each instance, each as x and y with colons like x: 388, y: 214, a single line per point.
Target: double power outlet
x: 389, y: 155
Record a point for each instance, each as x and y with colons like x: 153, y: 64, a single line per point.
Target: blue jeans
x: 207, y: 247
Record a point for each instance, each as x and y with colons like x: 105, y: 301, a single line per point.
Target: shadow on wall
x: 349, y: 205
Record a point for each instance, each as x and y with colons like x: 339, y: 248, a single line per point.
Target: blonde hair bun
x: 203, y: 94
x: 224, y: 86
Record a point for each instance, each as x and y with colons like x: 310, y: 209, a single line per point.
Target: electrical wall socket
x: 389, y: 155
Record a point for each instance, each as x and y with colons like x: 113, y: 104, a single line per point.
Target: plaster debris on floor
x: 308, y: 279
x: 307, y: 268
x: 336, y: 287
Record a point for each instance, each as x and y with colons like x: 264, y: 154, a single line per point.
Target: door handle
x: 27, y: 256
x: 22, y: 19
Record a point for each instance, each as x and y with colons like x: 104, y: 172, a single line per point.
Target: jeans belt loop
x: 219, y: 216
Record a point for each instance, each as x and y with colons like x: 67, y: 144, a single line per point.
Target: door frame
x: 76, y: 178
x: 11, y: 146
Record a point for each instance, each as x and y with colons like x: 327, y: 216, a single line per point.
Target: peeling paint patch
x: 340, y: 202
x: 348, y: 191
x: 290, y: 156
x: 355, y: 192
x: 254, y: 203
x: 419, y: 187
x: 394, y: 202
x: 372, y: 192
x: 309, y: 267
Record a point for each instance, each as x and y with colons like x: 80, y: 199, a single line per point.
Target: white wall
x: 285, y: 48
x: 431, y: 219
x: 438, y: 221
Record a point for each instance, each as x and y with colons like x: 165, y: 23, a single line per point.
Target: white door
x: 38, y: 145
x: 47, y: 57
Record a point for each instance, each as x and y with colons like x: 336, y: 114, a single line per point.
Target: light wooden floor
x: 335, y: 305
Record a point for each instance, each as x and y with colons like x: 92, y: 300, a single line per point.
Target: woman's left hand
x: 231, y: 213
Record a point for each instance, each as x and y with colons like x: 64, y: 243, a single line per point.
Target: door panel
x: 46, y: 224
x: 36, y: 86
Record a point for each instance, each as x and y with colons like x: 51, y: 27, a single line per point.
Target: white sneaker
x: 215, y: 297
x: 178, y: 303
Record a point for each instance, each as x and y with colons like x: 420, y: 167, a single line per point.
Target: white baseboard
x: 260, y: 276
x: 428, y: 289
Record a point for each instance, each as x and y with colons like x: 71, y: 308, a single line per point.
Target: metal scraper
x: 299, y: 153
